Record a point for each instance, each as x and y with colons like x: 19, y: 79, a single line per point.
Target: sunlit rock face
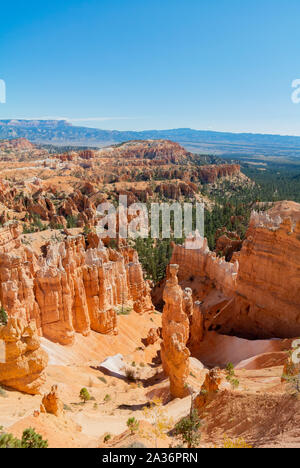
x: 267, y: 297
x: 69, y: 288
x: 175, y: 335
x: 261, y: 283
x: 23, y: 362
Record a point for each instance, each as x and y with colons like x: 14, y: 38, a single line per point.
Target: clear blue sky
x: 143, y: 64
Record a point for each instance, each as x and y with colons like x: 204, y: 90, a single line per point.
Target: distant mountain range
x: 242, y: 145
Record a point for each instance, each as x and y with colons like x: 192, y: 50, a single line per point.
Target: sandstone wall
x: 262, y: 281
x: 267, y: 298
x: 175, y: 335
x: 22, y: 366
x: 70, y: 288
x: 196, y: 260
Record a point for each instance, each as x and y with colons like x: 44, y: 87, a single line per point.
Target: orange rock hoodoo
x: 71, y: 288
x: 22, y: 361
x: 209, y: 389
x: 175, y: 334
x: 51, y: 403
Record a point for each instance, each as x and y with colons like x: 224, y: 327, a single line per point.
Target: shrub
x: 235, y: 383
x: 188, y: 429
x: 231, y: 375
x: 161, y: 423
x: 31, y: 439
x: 236, y: 443
x: 106, y: 438
x: 84, y: 395
x: 123, y: 310
x: 103, y: 379
x: 9, y: 441
x: 107, y: 398
x: 71, y: 221
x: 230, y: 369
x: 133, y: 425
x: 3, y: 316
x: 130, y: 374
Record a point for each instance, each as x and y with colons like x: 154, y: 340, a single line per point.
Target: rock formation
x: 69, y: 288
x: 51, y: 403
x: 197, y: 261
x: 153, y: 336
x: 257, y: 294
x: 209, y: 174
x: 175, y: 334
x: 209, y: 389
x: 267, y: 298
x: 227, y: 243
x: 197, y: 328
x: 23, y: 362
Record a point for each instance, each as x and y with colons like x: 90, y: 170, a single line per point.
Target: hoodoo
x: 175, y: 335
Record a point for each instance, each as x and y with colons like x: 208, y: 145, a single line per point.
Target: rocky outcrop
x: 153, y: 336
x: 164, y: 150
x: 177, y: 191
x: 175, y: 335
x: 227, y: 243
x: 70, y: 288
x: 23, y: 361
x: 209, y: 174
x: 209, y: 389
x: 197, y: 328
x: 267, y: 298
x: 51, y: 403
x: 261, y: 285
x: 197, y: 261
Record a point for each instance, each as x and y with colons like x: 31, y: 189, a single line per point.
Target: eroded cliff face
x: 257, y: 294
x: 267, y: 298
x: 22, y: 361
x: 175, y: 335
x: 196, y: 261
x: 69, y: 288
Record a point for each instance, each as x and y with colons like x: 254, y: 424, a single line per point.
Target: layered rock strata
x: 69, y: 288
x: 261, y: 285
x: 22, y: 360
x: 175, y: 335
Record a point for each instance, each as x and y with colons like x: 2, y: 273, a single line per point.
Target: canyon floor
x: 260, y: 411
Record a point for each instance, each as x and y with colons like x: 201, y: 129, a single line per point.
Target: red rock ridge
x: 260, y: 286
x: 71, y: 288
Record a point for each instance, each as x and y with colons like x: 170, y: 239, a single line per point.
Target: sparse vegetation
x: 3, y: 316
x: 71, y: 222
x: 103, y: 379
x: 188, y: 429
x: 84, y: 395
x: 30, y: 439
x: 123, y: 310
x: 161, y: 423
x: 133, y: 425
x: 230, y: 375
x: 130, y: 374
x: 106, y: 438
x: 235, y: 443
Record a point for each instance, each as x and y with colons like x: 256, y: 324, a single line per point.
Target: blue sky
x: 222, y: 65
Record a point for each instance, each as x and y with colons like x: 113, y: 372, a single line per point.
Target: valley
x: 117, y: 333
